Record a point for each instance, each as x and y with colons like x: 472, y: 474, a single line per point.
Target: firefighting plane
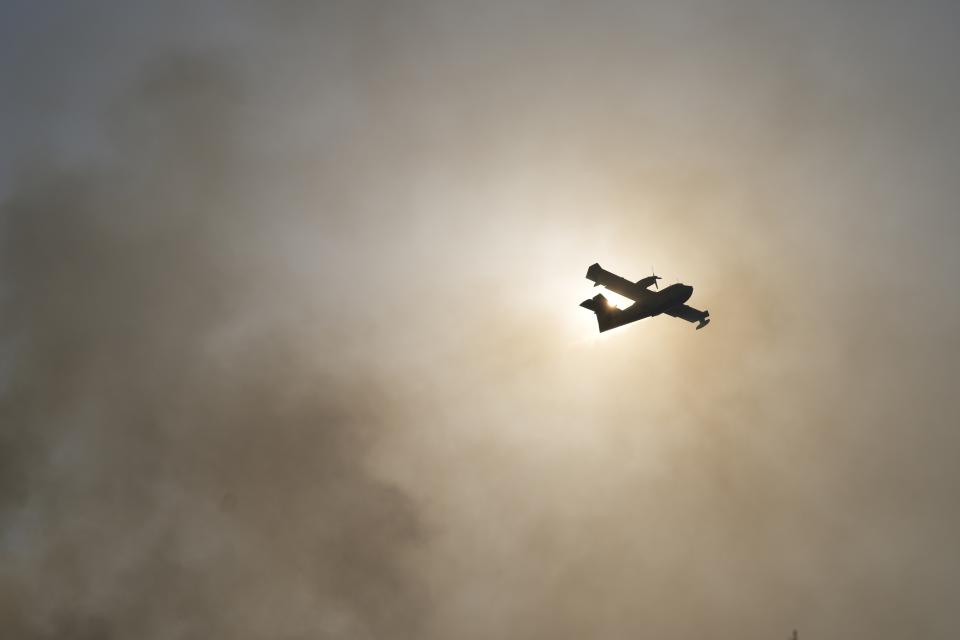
x: 646, y: 303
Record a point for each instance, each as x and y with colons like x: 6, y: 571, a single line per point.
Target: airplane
x: 646, y: 303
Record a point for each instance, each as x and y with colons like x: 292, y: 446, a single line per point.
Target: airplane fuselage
x: 671, y: 296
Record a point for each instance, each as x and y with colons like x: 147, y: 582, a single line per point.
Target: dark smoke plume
x: 173, y: 464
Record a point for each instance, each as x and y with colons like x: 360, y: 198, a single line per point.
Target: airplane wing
x: 615, y: 283
x: 689, y: 314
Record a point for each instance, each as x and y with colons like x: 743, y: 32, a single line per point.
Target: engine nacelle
x: 649, y: 280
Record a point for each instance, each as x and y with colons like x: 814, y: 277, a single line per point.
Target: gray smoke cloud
x: 174, y: 464
x: 289, y: 343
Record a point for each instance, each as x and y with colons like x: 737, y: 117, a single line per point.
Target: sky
x: 290, y: 344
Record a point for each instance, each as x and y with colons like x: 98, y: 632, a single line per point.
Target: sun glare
x: 616, y: 300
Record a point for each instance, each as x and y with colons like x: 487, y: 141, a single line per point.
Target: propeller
x: 655, y: 277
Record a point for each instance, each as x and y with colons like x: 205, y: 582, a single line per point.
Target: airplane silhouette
x: 646, y: 303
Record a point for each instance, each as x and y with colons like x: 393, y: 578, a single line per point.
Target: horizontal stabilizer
x: 605, y: 312
x: 597, y: 304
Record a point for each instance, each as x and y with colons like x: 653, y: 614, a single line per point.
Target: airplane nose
x: 689, y: 292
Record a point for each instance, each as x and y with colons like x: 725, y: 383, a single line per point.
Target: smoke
x: 175, y: 464
x: 290, y: 344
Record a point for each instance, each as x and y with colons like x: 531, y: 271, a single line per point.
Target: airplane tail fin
x: 600, y: 306
x: 704, y: 321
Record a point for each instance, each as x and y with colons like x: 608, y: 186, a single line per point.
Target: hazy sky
x: 290, y: 345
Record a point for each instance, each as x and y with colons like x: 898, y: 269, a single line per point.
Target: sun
x: 615, y: 299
